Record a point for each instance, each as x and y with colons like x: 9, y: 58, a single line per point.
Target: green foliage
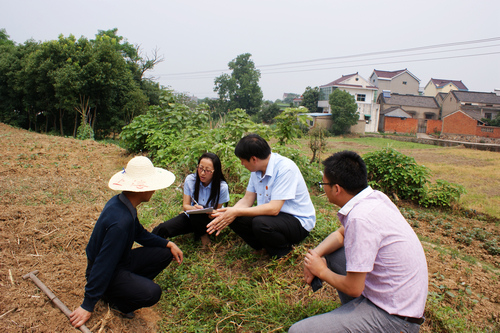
x: 267, y: 113
x: 288, y: 124
x: 240, y: 89
x: 396, y: 174
x: 41, y: 83
x: 492, y: 122
x: 85, y: 132
x: 310, y: 99
x: 442, y: 194
x: 344, y: 111
x: 399, y: 175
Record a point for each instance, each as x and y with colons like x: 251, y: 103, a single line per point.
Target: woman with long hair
x: 206, y: 188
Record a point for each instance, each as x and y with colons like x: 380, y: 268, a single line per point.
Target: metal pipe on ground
x: 53, y: 297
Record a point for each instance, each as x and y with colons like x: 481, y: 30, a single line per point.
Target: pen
x: 195, y: 201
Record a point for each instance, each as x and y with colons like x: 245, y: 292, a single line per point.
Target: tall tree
x: 344, y: 111
x: 240, y: 89
x: 310, y: 99
x: 4, y: 38
x: 268, y: 112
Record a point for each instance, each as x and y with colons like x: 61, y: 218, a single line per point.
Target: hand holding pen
x: 197, y: 205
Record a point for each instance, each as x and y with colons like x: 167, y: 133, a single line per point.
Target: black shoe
x: 128, y: 315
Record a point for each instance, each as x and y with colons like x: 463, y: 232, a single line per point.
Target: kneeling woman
x: 206, y: 188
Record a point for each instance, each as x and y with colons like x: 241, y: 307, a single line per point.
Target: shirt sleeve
x: 251, y: 186
x: 147, y: 239
x: 362, y: 243
x: 189, y: 184
x: 104, y: 265
x: 224, y: 193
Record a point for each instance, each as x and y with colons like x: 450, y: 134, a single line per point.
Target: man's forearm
x: 332, y: 243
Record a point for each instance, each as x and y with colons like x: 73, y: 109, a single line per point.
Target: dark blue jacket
x: 110, y: 244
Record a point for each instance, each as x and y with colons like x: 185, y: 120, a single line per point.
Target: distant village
x: 393, y: 102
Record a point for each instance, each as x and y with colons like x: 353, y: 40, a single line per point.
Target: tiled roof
x: 398, y: 113
x: 339, y: 83
x: 339, y: 80
x: 392, y: 108
x: 439, y: 83
x: 476, y: 97
x: 410, y: 100
x: 388, y: 74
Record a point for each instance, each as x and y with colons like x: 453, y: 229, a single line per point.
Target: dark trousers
x: 276, y: 234
x: 336, y: 262
x: 132, y: 285
x: 182, y: 224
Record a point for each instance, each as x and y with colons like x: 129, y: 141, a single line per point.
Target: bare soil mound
x: 53, y: 190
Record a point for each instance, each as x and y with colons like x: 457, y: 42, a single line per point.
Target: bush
x: 396, y: 174
x: 442, y: 194
x: 399, y: 175
x: 85, y: 132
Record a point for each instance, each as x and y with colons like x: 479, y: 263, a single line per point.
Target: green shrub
x: 399, y: 175
x: 396, y: 174
x: 85, y: 132
x: 441, y: 194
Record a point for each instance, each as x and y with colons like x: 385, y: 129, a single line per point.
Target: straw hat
x: 141, y: 176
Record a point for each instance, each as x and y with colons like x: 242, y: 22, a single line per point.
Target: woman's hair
x: 252, y: 145
x: 347, y: 169
x: 217, y: 177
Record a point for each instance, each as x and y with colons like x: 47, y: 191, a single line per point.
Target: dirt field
x: 53, y: 190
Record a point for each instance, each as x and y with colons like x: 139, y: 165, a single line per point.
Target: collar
x: 123, y: 198
x: 354, y: 200
x: 269, y: 167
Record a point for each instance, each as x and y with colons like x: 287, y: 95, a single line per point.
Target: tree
x: 289, y: 123
x: 492, y: 122
x: 4, y: 38
x: 344, y: 111
x: 268, y: 112
x: 310, y: 99
x: 240, y: 89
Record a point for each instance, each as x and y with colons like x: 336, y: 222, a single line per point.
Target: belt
x: 411, y: 319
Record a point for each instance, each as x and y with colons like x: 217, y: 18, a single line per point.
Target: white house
x: 365, y: 95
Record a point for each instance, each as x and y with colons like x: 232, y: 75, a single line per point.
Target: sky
x: 295, y: 44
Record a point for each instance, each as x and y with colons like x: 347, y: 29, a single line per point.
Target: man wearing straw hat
x: 116, y: 273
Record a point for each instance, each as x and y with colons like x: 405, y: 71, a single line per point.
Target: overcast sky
x: 201, y: 37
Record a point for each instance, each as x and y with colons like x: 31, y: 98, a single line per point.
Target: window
x: 360, y: 97
x: 429, y: 116
x: 404, y: 82
x: 324, y: 93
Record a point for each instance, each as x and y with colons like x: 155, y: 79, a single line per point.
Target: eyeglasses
x: 320, y: 184
x: 207, y: 171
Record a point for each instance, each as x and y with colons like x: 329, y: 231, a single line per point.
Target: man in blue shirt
x: 284, y: 214
x: 116, y: 273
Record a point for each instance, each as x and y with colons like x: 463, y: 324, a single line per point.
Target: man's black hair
x: 252, y: 145
x: 347, y: 169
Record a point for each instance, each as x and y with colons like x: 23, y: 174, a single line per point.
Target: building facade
x: 364, y: 94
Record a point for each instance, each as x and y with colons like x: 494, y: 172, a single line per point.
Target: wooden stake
x: 53, y: 297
